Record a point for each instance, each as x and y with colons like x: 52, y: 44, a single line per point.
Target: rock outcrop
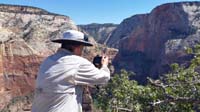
x: 100, y: 32
x: 24, y: 42
x: 149, y: 43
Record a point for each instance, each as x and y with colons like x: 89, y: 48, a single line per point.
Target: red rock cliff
x: 149, y: 43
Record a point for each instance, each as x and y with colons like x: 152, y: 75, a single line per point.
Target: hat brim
x: 71, y: 41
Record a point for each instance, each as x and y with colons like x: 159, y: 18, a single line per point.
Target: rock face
x: 24, y: 42
x: 33, y: 25
x: 149, y: 43
x: 100, y: 32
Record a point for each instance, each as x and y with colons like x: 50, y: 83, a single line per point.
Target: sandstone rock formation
x: 149, y: 43
x: 100, y: 32
x: 24, y: 42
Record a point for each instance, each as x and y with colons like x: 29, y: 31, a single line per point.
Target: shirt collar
x: 64, y: 51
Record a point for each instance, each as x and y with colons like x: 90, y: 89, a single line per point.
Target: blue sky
x: 94, y: 11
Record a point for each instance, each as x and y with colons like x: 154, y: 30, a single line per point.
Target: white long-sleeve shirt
x: 60, y: 79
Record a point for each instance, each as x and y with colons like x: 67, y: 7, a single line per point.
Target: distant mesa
x: 100, y: 32
x: 24, y: 9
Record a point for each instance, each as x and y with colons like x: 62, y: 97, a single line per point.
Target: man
x: 61, y: 77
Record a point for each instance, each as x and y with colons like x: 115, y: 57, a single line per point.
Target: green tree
x: 178, y: 91
x: 122, y: 94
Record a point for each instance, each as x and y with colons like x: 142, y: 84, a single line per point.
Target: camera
x: 97, y: 61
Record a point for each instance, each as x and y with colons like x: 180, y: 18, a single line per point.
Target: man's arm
x: 88, y: 74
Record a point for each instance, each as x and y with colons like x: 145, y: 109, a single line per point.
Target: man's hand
x: 104, y: 60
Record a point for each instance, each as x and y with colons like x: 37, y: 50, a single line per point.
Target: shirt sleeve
x: 88, y: 74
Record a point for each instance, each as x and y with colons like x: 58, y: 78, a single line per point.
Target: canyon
x: 146, y: 44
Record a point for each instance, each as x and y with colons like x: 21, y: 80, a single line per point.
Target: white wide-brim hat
x: 73, y: 36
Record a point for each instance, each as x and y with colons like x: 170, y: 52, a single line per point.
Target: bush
x: 178, y: 91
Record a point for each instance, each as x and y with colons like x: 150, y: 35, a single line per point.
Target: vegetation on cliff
x: 176, y: 91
